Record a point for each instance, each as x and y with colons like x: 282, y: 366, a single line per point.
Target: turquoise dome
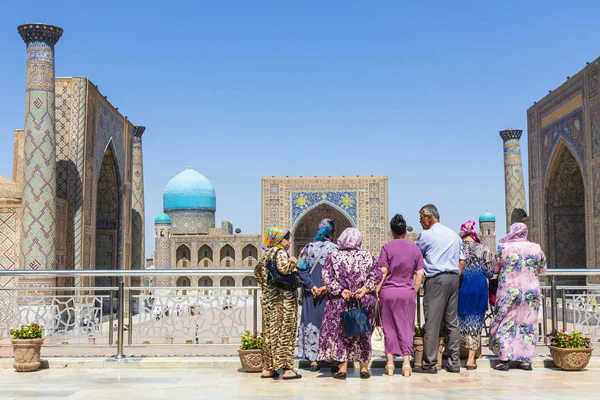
x: 189, y: 190
x: 162, y: 219
x: 487, y: 217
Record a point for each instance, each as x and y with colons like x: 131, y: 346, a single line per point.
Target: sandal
x: 406, y: 371
x: 389, y: 369
x: 315, y: 368
x: 289, y: 378
x: 274, y: 375
x: 502, y: 366
x: 340, y: 375
x: 365, y: 375
x: 471, y: 367
x: 525, y: 367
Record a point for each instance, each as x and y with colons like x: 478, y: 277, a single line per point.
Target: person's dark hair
x: 431, y: 211
x: 398, y: 225
x: 287, y: 236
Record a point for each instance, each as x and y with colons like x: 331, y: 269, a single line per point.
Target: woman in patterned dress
x: 473, y: 291
x: 310, y: 263
x: 349, y: 274
x: 513, y: 328
x: 279, y: 307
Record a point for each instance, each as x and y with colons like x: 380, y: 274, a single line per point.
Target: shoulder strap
x: 318, y: 257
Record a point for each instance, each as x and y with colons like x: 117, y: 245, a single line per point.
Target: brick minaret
x: 137, y: 202
x: 39, y: 163
x: 513, y: 177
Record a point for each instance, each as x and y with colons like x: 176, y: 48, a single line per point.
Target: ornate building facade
x: 298, y: 204
x: 69, y: 202
x: 564, y: 171
x: 514, y: 184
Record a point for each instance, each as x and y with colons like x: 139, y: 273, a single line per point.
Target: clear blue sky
x: 416, y: 91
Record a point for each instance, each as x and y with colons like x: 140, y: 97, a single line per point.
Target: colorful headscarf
x: 350, y: 239
x: 326, y: 230
x: 468, y: 229
x: 518, y: 233
x: 273, y: 237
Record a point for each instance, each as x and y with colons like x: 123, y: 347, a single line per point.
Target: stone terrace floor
x: 229, y: 383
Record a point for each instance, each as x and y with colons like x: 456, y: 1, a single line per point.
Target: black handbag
x: 356, y: 320
x: 276, y: 278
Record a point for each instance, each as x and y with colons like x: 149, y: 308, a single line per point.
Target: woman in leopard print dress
x: 279, y: 307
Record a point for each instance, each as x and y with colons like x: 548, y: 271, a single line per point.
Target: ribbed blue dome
x: 162, y: 219
x: 189, y: 190
x: 487, y: 217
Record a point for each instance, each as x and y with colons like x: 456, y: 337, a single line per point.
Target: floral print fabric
x: 513, y: 327
x: 348, y: 269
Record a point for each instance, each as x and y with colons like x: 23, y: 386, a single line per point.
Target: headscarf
x: 326, y: 230
x: 273, y: 237
x: 518, y: 233
x: 468, y: 229
x: 350, y: 239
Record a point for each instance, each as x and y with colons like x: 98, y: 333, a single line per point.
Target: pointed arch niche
x: 565, y: 213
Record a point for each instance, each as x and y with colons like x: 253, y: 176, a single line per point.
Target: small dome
x: 487, y: 217
x: 162, y: 219
x: 189, y: 190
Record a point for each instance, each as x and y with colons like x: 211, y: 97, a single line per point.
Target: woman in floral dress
x: 473, y: 291
x: 513, y: 328
x: 349, y: 274
x: 310, y: 264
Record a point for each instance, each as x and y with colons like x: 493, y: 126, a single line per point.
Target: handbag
x: 356, y: 320
x: 378, y: 336
x: 277, y: 279
x: 492, y: 289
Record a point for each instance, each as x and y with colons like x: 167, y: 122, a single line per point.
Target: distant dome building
x: 487, y: 227
x: 189, y: 201
x: 186, y: 237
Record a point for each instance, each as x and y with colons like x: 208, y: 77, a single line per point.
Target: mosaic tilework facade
x: 83, y: 126
x: 514, y: 184
x: 564, y: 171
x: 38, y: 238
x: 363, y: 200
x: 137, y: 202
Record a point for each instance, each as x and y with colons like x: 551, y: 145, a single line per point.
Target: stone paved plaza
x: 229, y: 383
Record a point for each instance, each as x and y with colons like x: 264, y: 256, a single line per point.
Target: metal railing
x: 233, y: 298
x: 575, y: 305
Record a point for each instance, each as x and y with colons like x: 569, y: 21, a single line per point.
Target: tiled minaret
x: 487, y: 230
x: 39, y: 163
x: 137, y: 202
x: 514, y: 184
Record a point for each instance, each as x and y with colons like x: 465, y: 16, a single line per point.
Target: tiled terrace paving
x: 228, y: 383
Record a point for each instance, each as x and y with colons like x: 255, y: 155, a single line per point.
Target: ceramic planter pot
x: 570, y: 359
x: 27, y: 354
x: 251, y: 360
x: 418, y: 349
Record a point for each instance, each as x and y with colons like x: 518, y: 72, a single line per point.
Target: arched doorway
x: 205, y: 281
x: 227, y: 258
x: 108, y: 215
x: 183, y: 256
x: 249, y: 255
x: 305, y: 228
x: 565, y: 205
x: 183, y: 281
x: 227, y: 281
x: 249, y: 281
x: 205, y: 255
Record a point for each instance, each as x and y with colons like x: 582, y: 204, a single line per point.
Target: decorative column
x: 514, y: 184
x: 137, y: 202
x: 39, y: 164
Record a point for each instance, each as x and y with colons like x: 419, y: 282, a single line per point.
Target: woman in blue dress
x: 310, y: 263
x: 473, y: 291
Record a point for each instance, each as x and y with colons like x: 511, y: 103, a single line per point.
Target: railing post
x: 419, y: 307
x: 111, y: 319
x: 121, y: 318
x: 544, y: 318
x: 564, y: 309
x: 130, y: 319
x: 255, y: 310
x: 553, y: 300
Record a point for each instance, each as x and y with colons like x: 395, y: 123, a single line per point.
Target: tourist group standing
x: 341, y: 284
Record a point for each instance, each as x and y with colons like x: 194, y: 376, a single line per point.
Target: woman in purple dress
x: 349, y: 274
x: 399, y: 261
x: 518, y: 263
